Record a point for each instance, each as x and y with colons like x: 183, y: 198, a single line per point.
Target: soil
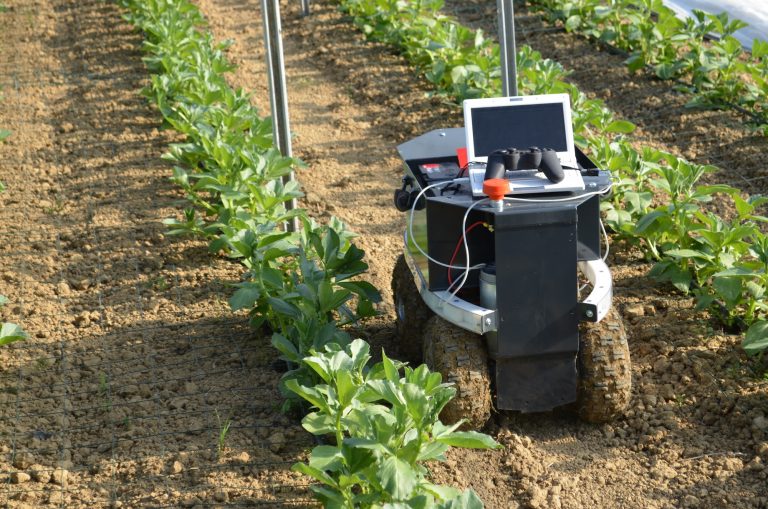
x: 138, y: 387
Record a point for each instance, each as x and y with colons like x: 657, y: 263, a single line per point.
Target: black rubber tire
x: 605, y: 370
x: 462, y: 358
x: 410, y: 311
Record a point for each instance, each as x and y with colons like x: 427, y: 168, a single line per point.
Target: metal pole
x: 305, y: 7
x: 278, y: 92
x: 508, y: 47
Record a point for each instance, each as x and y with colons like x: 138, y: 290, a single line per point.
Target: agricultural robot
x: 503, y: 288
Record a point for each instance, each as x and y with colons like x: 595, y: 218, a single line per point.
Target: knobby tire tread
x: 416, y: 312
x: 605, y: 370
x: 462, y: 358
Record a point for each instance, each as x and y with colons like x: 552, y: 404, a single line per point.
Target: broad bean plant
x: 10, y: 332
x: 304, y: 286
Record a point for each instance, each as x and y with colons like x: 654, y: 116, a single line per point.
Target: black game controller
x: 532, y: 159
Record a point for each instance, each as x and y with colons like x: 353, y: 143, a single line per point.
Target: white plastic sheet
x: 754, y: 12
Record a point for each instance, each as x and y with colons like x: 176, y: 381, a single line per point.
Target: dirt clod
x: 20, y: 477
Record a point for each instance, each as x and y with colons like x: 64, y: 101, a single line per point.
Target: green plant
x: 385, y: 426
x: 10, y: 332
x: 105, y: 393
x: 159, y: 284
x: 223, y: 432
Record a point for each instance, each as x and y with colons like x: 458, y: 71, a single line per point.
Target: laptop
x: 542, y: 121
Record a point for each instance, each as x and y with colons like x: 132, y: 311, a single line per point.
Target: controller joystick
x: 550, y: 165
x: 511, y: 158
x: 496, y: 165
x: 534, y: 158
x: 530, y: 159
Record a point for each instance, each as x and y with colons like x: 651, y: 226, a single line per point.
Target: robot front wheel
x: 605, y: 371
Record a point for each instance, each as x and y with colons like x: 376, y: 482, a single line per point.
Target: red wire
x: 458, y: 246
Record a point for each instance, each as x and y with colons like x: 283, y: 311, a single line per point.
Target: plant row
x: 657, y: 202
x: 700, y: 51
x: 379, y: 423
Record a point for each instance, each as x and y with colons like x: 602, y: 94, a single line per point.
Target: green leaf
x: 759, y: 48
x: 284, y: 308
x: 3, y: 300
x: 469, y: 440
x: 635, y: 62
x: 442, y: 493
x: 310, y: 394
x: 433, y: 451
x: 397, y: 478
x: 325, y: 296
x: 666, y: 70
x: 285, y: 347
x: 331, y: 244
x: 345, y: 387
x: 573, y: 23
x: 326, y: 457
x: 319, y: 424
x: 316, y: 474
x: 647, y: 220
x: 363, y: 289
x: 459, y: 74
x: 10, y: 332
x: 729, y: 288
x: 756, y: 338
x: 359, y: 351
x: 688, y: 253
x: 364, y: 443
x: 245, y: 297
x: 319, y: 365
x: 620, y: 126
x: 415, y: 402
x: 331, y: 498
x: 4, y: 133
x: 756, y: 290
x: 390, y: 371
x: 467, y: 500
x: 357, y: 459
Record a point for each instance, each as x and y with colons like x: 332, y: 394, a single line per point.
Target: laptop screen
x: 542, y: 121
x: 519, y: 126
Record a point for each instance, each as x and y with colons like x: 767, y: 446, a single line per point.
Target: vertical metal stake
x: 278, y: 92
x: 508, y: 47
x: 305, y: 7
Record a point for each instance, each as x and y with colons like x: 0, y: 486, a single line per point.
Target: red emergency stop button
x: 496, y: 188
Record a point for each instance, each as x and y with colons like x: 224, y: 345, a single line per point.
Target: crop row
x: 380, y: 422
x: 699, y: 51
x: 657, y: 203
